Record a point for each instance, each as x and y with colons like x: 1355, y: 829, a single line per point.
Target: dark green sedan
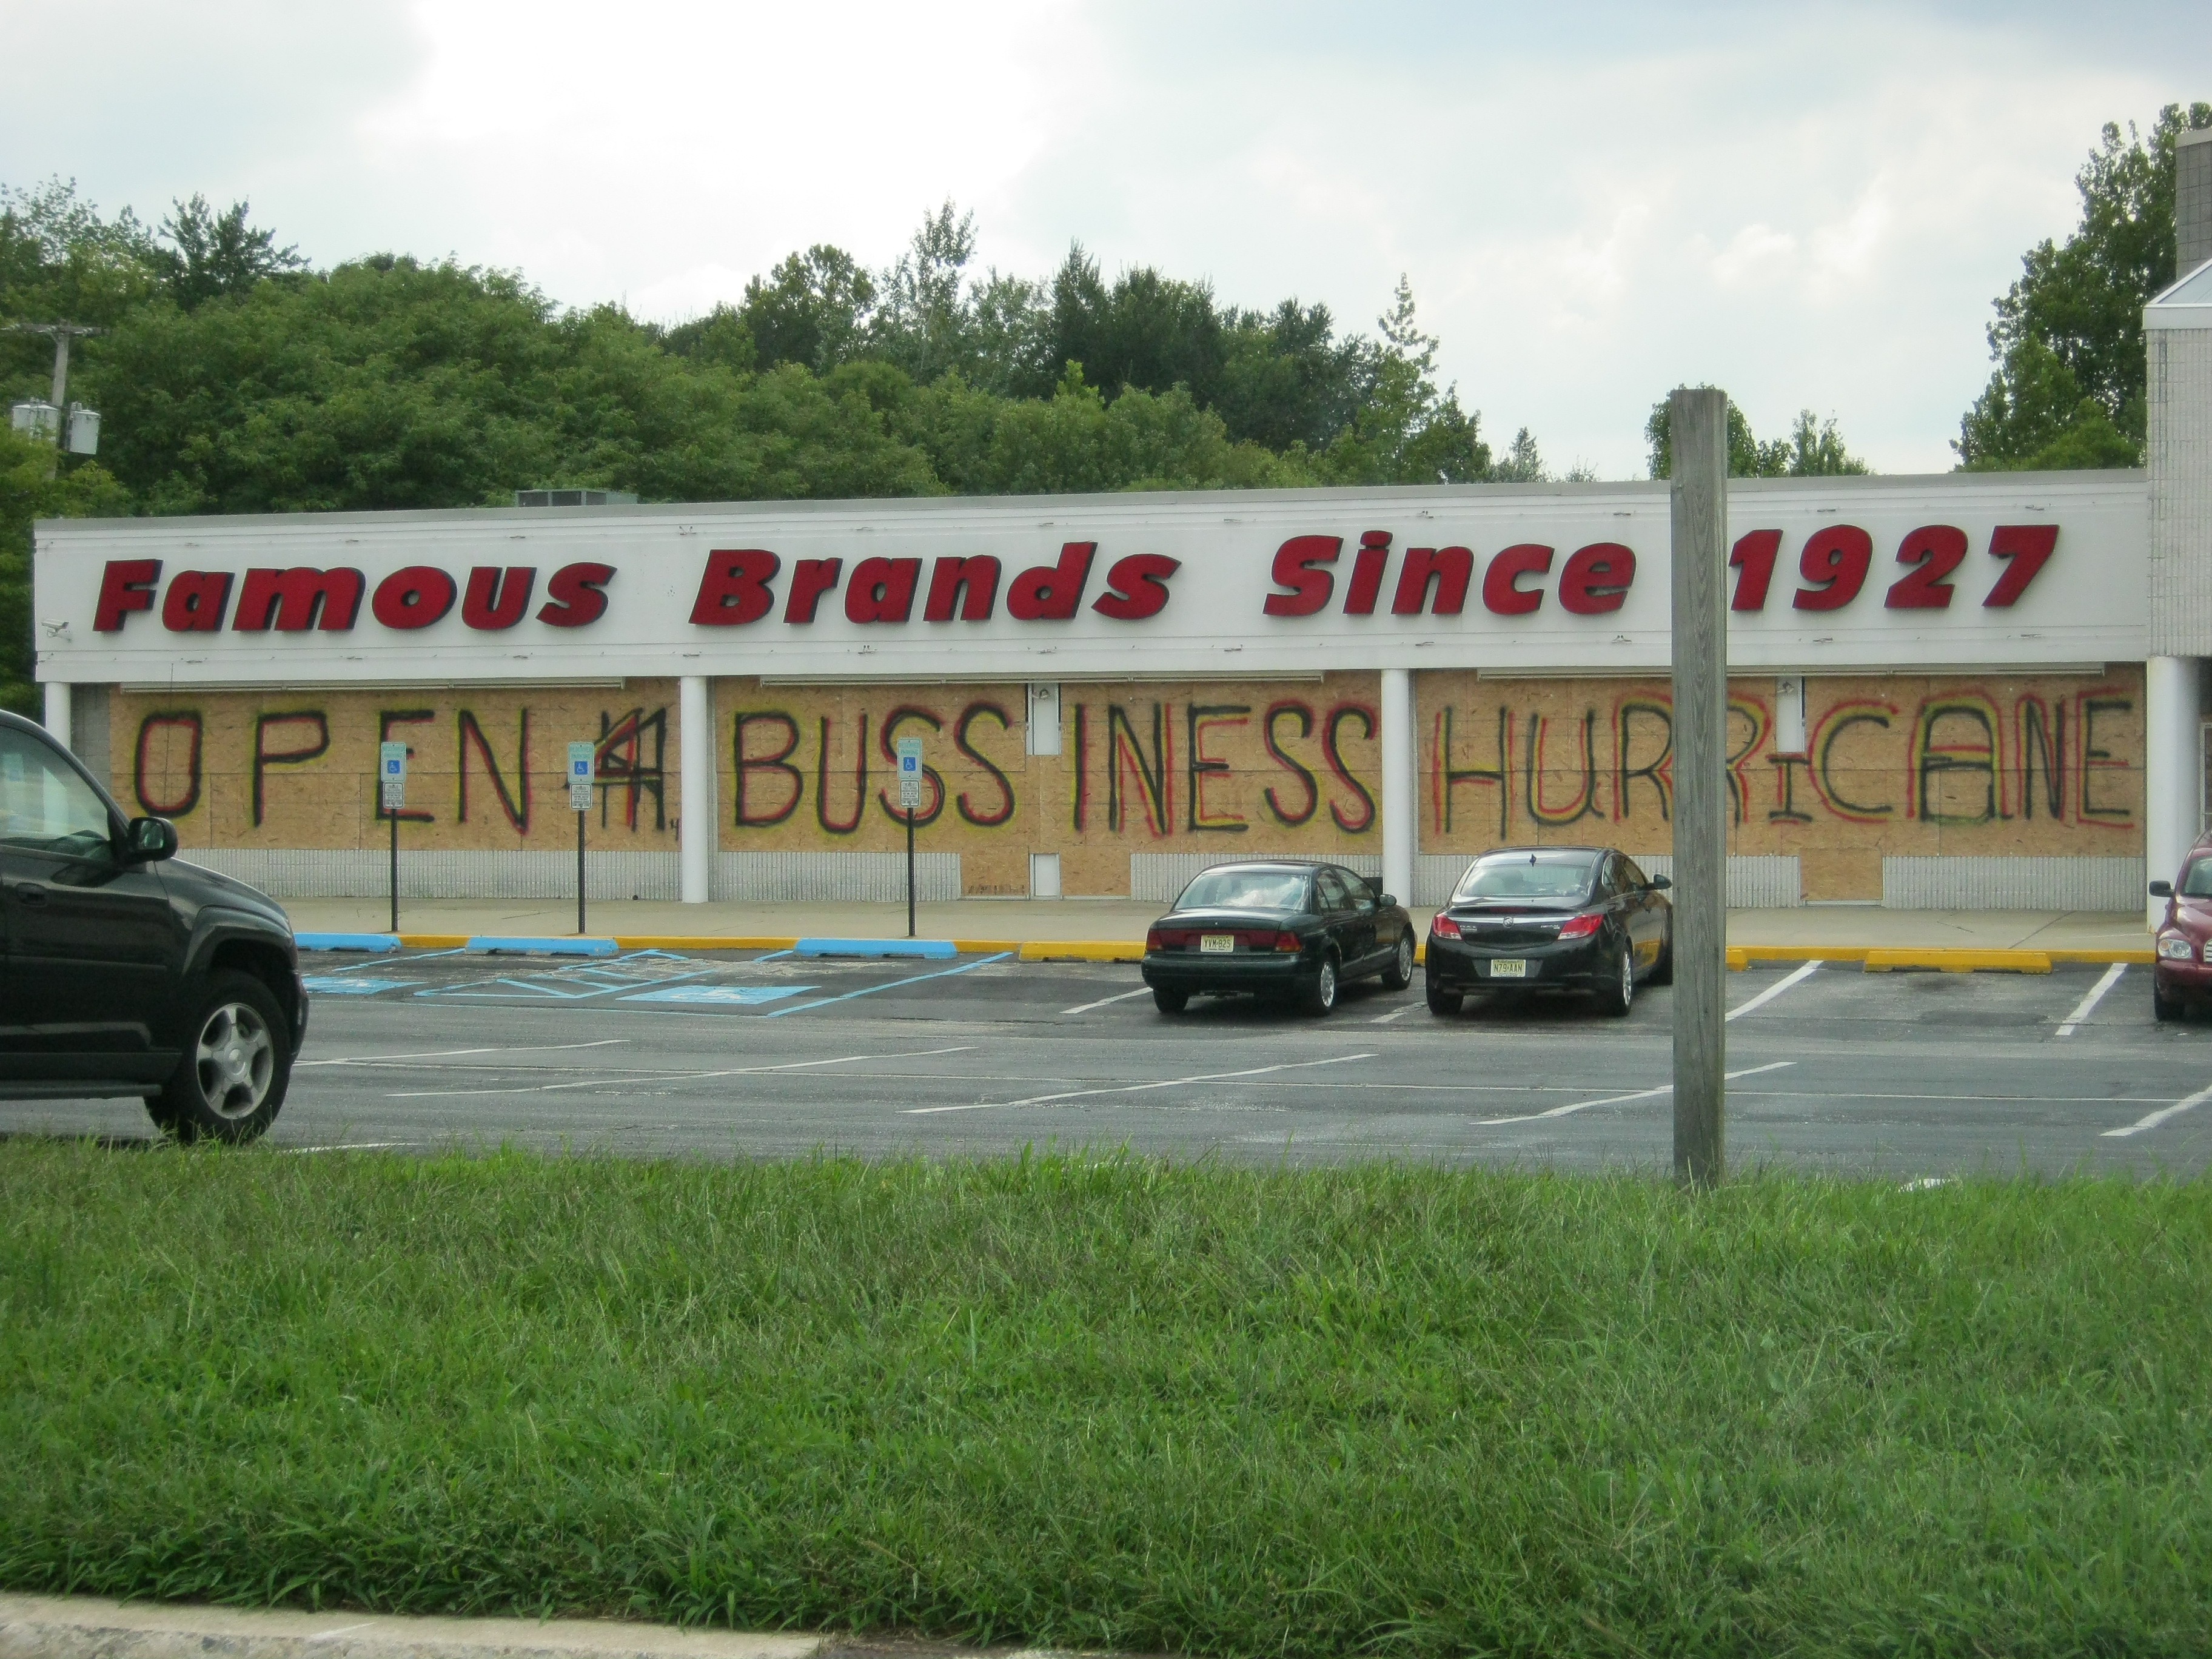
x: 1280, y: 928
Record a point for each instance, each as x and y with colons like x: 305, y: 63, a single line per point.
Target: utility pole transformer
x: 1697, y: 427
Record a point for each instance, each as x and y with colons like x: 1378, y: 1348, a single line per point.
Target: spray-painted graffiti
x: 233, y: 769
x: 1508, y: 759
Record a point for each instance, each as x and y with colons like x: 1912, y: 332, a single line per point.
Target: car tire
x: 2164, y: 1009
x: 1400, y: 974
x: 1618, y: 998
x: 1662, y: 971
x: 1319, y: 996
x: 230, y: 1080
x: 1442, y: 1003
x: 1170, y: 1002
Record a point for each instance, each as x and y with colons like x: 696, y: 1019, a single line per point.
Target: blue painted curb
x: 875, y: 947
x: 347, y: 941
x: 551, y: 947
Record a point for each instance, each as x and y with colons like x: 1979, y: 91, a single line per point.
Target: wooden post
x: 1698, y: 430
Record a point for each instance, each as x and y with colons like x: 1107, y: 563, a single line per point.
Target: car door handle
x: 30, y: 894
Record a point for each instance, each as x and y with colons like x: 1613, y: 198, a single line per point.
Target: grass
x: 1111, y: 1402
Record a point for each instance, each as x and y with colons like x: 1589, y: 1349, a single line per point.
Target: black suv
x: 122, y: 975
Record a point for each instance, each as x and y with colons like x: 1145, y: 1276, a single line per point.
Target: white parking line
x: 632, y: 1077
x: 2151, y: 1120
x: 2087, y: 1005
x: 449, y: 1053
x: 1395, y: 1013
x: 1134, y: 1088
x: 1141, y: 990
x: 1772, y: 991
x: 1617, y: 1100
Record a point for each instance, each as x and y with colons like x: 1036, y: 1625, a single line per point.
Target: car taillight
x: 1155, y: 940
x: 1581, y: 926
x: 1444, y: 927
x: 1287, y: 941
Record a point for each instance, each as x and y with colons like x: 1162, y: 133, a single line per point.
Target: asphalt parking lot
x: 772, y: 1054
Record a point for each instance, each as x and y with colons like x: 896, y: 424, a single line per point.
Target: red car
x: 2181, y: 969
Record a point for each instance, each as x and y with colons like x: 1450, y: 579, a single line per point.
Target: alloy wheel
x: 236, y: 1060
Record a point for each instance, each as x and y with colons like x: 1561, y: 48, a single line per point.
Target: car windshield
x: 1530, y: 876
x: 1246, y: 889
x: 2197, y: 880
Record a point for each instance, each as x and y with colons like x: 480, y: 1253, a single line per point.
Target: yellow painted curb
x: 700, y: 942
x: 1961, y: 961
x: 1083, y: 949
x: 984, y: 947
x: 1752, y: 953
x: 1738, y: 958
x: 433, y: 941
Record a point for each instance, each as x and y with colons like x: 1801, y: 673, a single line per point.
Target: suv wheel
x: 230, y: 1081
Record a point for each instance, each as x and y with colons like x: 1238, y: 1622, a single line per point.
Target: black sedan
x: 1551, y: 918
x: 1276, y: 927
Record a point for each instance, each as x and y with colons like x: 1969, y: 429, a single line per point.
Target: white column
x: 1400, y: 822
x: 2172, y: 791
x: 702, y: 823
x: 58, y: 713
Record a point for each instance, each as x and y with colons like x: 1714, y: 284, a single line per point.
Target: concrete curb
x: 1871, y: 957
x: 79, y: 1627
x: 571, y: 944
x: 90, y: 1627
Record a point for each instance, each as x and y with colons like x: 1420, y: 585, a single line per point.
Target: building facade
x: 1945, y: 691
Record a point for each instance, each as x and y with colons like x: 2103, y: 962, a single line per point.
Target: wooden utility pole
x: 1696, y: 429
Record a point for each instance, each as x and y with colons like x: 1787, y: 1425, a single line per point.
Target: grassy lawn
x: 1117, y: 1403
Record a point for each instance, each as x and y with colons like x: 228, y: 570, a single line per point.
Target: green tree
x: 60, y: 261
x: 813, y: 310
x: 2068, y: 338
x: 1814, y: 449
x: 217, y: 254
x: 1405, y: 430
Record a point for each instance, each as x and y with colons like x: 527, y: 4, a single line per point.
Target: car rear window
x: 1526, y: 875
x: 1246, y: 889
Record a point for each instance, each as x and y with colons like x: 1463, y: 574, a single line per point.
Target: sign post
x: 909, y: 783
x: 392, y: 795
x: 1697, y: 424
x: 581, y: 758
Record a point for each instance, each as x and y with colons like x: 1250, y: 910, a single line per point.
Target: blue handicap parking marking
x: 332, y: 985
x: 719, y: 995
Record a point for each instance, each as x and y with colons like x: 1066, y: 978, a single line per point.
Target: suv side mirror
x: 1660, y: 883
x: 2162, y: 889
x: 149, y: 840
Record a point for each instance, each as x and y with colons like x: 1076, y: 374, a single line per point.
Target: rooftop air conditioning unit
x: 574, y: 498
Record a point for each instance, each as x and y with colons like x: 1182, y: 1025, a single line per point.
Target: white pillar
x: 702, y: 820
x: 2172, y: 791
x: 1401, y: 816
x: 58, y: 713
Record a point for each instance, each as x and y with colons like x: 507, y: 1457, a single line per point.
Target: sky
x: 1811, y: 206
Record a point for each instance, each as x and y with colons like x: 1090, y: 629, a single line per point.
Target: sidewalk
x: 87, y: 1627
x: 1016, y: 922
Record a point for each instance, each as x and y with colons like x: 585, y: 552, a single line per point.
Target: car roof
x: 1545, y: 851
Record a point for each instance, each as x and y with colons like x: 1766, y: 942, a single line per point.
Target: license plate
x: 1509, y: 968
x: 1216, y: 944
